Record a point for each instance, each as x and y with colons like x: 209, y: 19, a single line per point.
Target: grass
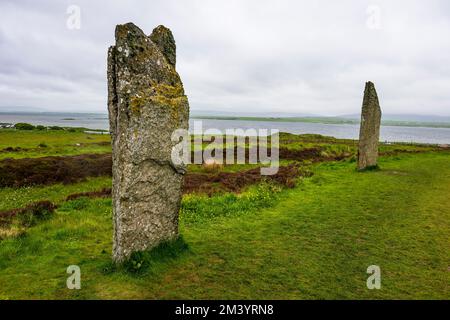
x: 36, y: 143
x: 51, y: 143
x: 311, y: 242
x: 201, y: 208
x: 16, y: 198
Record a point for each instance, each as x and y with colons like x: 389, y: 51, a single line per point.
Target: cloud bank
x: 237, y: 56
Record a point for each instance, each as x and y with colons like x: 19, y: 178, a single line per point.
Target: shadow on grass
x: 151, y: 261
x: 370, y: 168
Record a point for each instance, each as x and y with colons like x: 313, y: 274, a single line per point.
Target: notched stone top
x: 156, y: 52
x: 163, y: 38
x: 146, y: 98
x: 144, y: 68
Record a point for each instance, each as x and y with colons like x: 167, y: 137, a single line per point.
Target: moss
x: 136, y: 103
x: 162, y: 94
x: 121, y: 31
x: 169, y: 91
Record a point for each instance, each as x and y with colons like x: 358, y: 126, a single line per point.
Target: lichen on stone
x: 163, y: 38
x: 147, y: 103
x: 369, y: 134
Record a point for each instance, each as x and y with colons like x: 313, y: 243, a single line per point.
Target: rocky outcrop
x: 369, y: 134
x: 146, y: 103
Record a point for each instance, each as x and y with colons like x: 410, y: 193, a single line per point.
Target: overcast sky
x: 309, y: 57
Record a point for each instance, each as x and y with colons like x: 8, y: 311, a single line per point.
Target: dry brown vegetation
x: 50, y: 170
x: 207, y: 183
x: 70, y: 169
x: 210, y: 183
x: 36, y: 210
x: 104, y: 193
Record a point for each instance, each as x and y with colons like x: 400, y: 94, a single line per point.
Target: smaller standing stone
x: 369, y: 133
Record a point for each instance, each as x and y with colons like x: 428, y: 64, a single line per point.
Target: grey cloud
x: 287, y: 56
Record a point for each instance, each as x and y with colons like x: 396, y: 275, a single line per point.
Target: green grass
x: 37, y: 143
x: 201, y: 208
x: 311, y: 242
x: 19, y: 197
x: 51, y: 143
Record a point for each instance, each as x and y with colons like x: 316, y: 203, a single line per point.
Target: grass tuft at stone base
x: 143, y: 262
x: 370, y: 168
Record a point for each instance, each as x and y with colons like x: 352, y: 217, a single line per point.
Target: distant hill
x: 212, y: 113
x: 405, y: 117
x: 294, y: 116
x: 438, y: 122
x: 407, y: 120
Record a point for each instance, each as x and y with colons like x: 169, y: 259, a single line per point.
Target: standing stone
x: 369, y: 133
x: 146, y: 103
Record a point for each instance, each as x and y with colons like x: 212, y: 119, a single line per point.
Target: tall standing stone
x: 369, y: 133
x: 146, y: 103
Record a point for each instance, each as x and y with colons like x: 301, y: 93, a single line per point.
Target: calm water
x: 388, y: 133
x: 85, y: 120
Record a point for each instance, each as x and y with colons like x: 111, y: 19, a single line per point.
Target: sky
x: 253, y: 56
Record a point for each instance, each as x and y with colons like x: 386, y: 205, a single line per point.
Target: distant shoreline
x: 409, y: 130
x: 327, y: 120
x: 337, y: 120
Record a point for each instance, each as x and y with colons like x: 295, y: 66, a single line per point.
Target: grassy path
x: 317, y: 242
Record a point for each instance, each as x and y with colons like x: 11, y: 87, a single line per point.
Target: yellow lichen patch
x: 121, y: 31
x: 168, y: 91
x: 175, y: 104
x: 136, y: 103
x: 162, y: 94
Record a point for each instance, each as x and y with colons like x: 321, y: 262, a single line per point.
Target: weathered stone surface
x: 163, y: 38
x: 369, y: 133
x: 146, y: 103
